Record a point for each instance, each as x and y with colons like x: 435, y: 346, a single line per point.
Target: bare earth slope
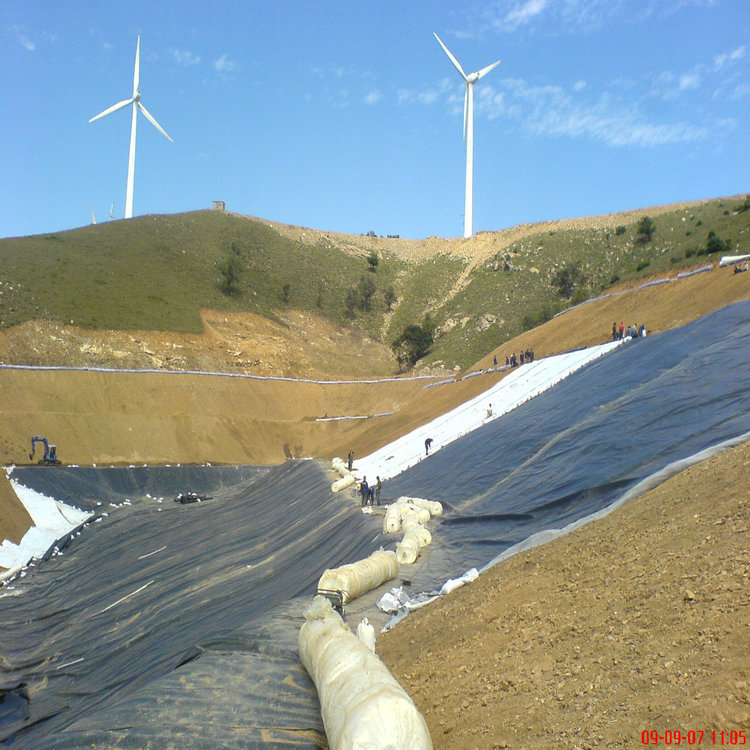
x: 158, y: 417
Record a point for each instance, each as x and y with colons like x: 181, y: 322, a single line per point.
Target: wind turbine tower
x: 469, y: 80
x: 135, y: 100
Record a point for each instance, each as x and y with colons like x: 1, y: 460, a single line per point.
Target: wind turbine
x: 469, y: 80
x: 135, y: 100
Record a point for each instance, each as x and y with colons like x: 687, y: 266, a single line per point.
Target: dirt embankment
x: 298, y: 345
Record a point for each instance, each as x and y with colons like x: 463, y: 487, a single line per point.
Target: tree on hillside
x: 284, y: 296
x: 373, y: 260
x: 568, y: 279
x: 646, y: 229
x: 412, y: 345
x: 350, y: 303
x: 365, y: 288
x: 390, y: 298
x: 231, y: 270
x: 714, y: 244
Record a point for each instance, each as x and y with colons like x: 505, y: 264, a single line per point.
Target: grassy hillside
x: 158, y: 272
x: 514, y: 289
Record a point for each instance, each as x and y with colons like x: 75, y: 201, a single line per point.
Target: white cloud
x: 373, y: 97
x: 524, y: 13
x: 184, y: 58
x: 721, y: 61
x: 23, y: 39
x: 224, y: 65
x: 579, y: 85
x: 427, y: 96
x: 689, y: 81
x: 556, y: 15
x: 552, y: 111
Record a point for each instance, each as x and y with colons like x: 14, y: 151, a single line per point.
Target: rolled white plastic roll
x: 435, y: 508
x: 423, y: 535
x: 358, y: 578
x: 339, y: 467
x: 362, y: 705
x: 407, y: 550
x: 343, y: 483
x: 392, y: 520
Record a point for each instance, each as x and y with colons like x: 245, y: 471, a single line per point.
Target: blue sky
x: 347, y: 116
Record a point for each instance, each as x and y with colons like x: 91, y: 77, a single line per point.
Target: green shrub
x: 231, y: 270
x: 645, y: 229
x: 372, y: 260
x: 568, y: 279
x: 412, y: 345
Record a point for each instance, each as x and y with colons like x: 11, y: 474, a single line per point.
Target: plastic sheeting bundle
x: 362, y: 705
x: 339, y: 466
x: 407, y: 550
x: 346, y: 478
x: 421, y: 514
x: 398, y: 512
x: 423, y: 535
x: 392, y: 519
x: 343, y: 483
x: 435, y: 508
x: 358, y: 578
x: 366, y: 634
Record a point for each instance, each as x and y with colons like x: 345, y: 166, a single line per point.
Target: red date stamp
x: 694, y: 738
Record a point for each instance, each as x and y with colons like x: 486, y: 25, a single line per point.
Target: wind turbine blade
x: 153, y: 121
x: 113, y: 108
x: 484, y: 71
x: 137, y: 69
x: 450, y: 56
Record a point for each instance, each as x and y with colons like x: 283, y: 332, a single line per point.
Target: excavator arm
x: 36, y: 440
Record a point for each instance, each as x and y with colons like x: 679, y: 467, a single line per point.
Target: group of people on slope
x: 370, y: 494
x: 619, y: 332
x: 523, y: 357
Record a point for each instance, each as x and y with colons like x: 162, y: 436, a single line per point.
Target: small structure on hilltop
x: 219, y: 206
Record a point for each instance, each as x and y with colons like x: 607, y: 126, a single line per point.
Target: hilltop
x: 146, y: 293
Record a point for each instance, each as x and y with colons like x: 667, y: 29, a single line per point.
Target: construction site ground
x: 638, y: 622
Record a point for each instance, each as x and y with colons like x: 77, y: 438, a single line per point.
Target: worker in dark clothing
x: 350, y: 460
x: 364, y: 488
x: 427, y: 444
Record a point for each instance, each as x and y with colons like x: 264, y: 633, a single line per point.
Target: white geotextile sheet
x: 520, y: 385
x: 52, y: 519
